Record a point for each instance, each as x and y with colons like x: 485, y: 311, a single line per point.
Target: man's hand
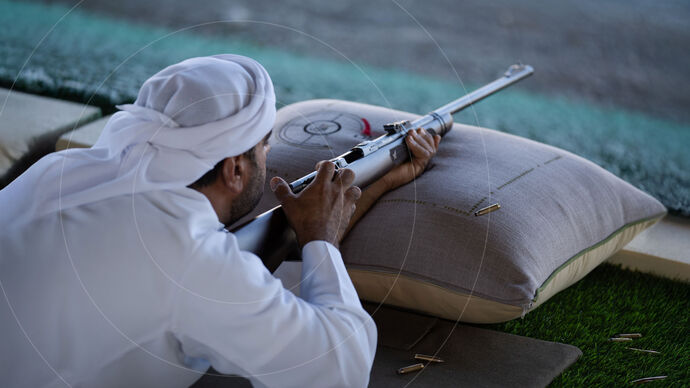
x: 323, y: 209
x: 422, y: 146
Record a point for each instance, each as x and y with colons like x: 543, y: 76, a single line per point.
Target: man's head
x: 186, y: 118
x: 213, y: 109
x: 235, y: 185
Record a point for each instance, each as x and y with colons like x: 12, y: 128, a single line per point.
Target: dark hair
x: 212, y: 174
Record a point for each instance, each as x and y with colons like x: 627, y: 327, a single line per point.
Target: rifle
x: 270, y: 236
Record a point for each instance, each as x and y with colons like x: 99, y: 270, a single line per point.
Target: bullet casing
x: 424, y: 357
x: 644, y: 350
x: 410, y: 368
x: 648, y: 379
x: 487, y: 210
x: 629, y: 335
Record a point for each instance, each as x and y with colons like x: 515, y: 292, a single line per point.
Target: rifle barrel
x: 441, y: 119
x: 514, y: 74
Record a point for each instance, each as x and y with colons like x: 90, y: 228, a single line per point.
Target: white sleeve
x: 231, y: 311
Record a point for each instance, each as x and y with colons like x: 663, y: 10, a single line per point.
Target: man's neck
x: 218, y: 203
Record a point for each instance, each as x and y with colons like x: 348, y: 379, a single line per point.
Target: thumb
x: 280, y: 188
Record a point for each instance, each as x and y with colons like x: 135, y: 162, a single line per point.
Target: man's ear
x: 233, y: 172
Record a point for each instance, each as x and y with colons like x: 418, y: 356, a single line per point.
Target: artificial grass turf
x: 610, y: 301
x: 103, y: 62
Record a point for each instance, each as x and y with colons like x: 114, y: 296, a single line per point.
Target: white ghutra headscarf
x: 186, y: 118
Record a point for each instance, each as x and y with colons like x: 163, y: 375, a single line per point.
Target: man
x: 117, y: 269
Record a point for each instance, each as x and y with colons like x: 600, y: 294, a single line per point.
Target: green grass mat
x: 103, y: 62
x: 610, y: 301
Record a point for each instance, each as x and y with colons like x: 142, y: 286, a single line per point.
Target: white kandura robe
x: 147, y: 290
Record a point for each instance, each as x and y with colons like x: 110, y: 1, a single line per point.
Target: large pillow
x: 422, y: 247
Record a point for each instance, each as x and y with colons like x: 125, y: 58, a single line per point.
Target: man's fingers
x: 281, y: 189
x: 352, y: 194
x: 346, y: 177
x: 418, y: 140
x: 424, y: 138
x: 432, y: 140
x: 417, y: 148
x: 325, y: 172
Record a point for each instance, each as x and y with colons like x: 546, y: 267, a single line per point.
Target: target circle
x: 313, y: 129
x: 322, y: 127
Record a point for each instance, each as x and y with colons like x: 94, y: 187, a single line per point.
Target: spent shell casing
x: 648, y: 379
x: 410, y: 369
x: 618, y: 339
x: 487, y: 209
x: 629, y: 335
x: 424, y: 357
x: 644, y: 350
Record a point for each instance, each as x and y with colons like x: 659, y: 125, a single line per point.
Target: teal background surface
x: 50, y: 50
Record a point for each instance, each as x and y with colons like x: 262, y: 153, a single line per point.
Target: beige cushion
x: 422, y: 247
x: 27, y: 119
x: 661, y: 250
x: 84, y: 136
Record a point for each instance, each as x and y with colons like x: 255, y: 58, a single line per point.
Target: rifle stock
x: 270, y: 236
